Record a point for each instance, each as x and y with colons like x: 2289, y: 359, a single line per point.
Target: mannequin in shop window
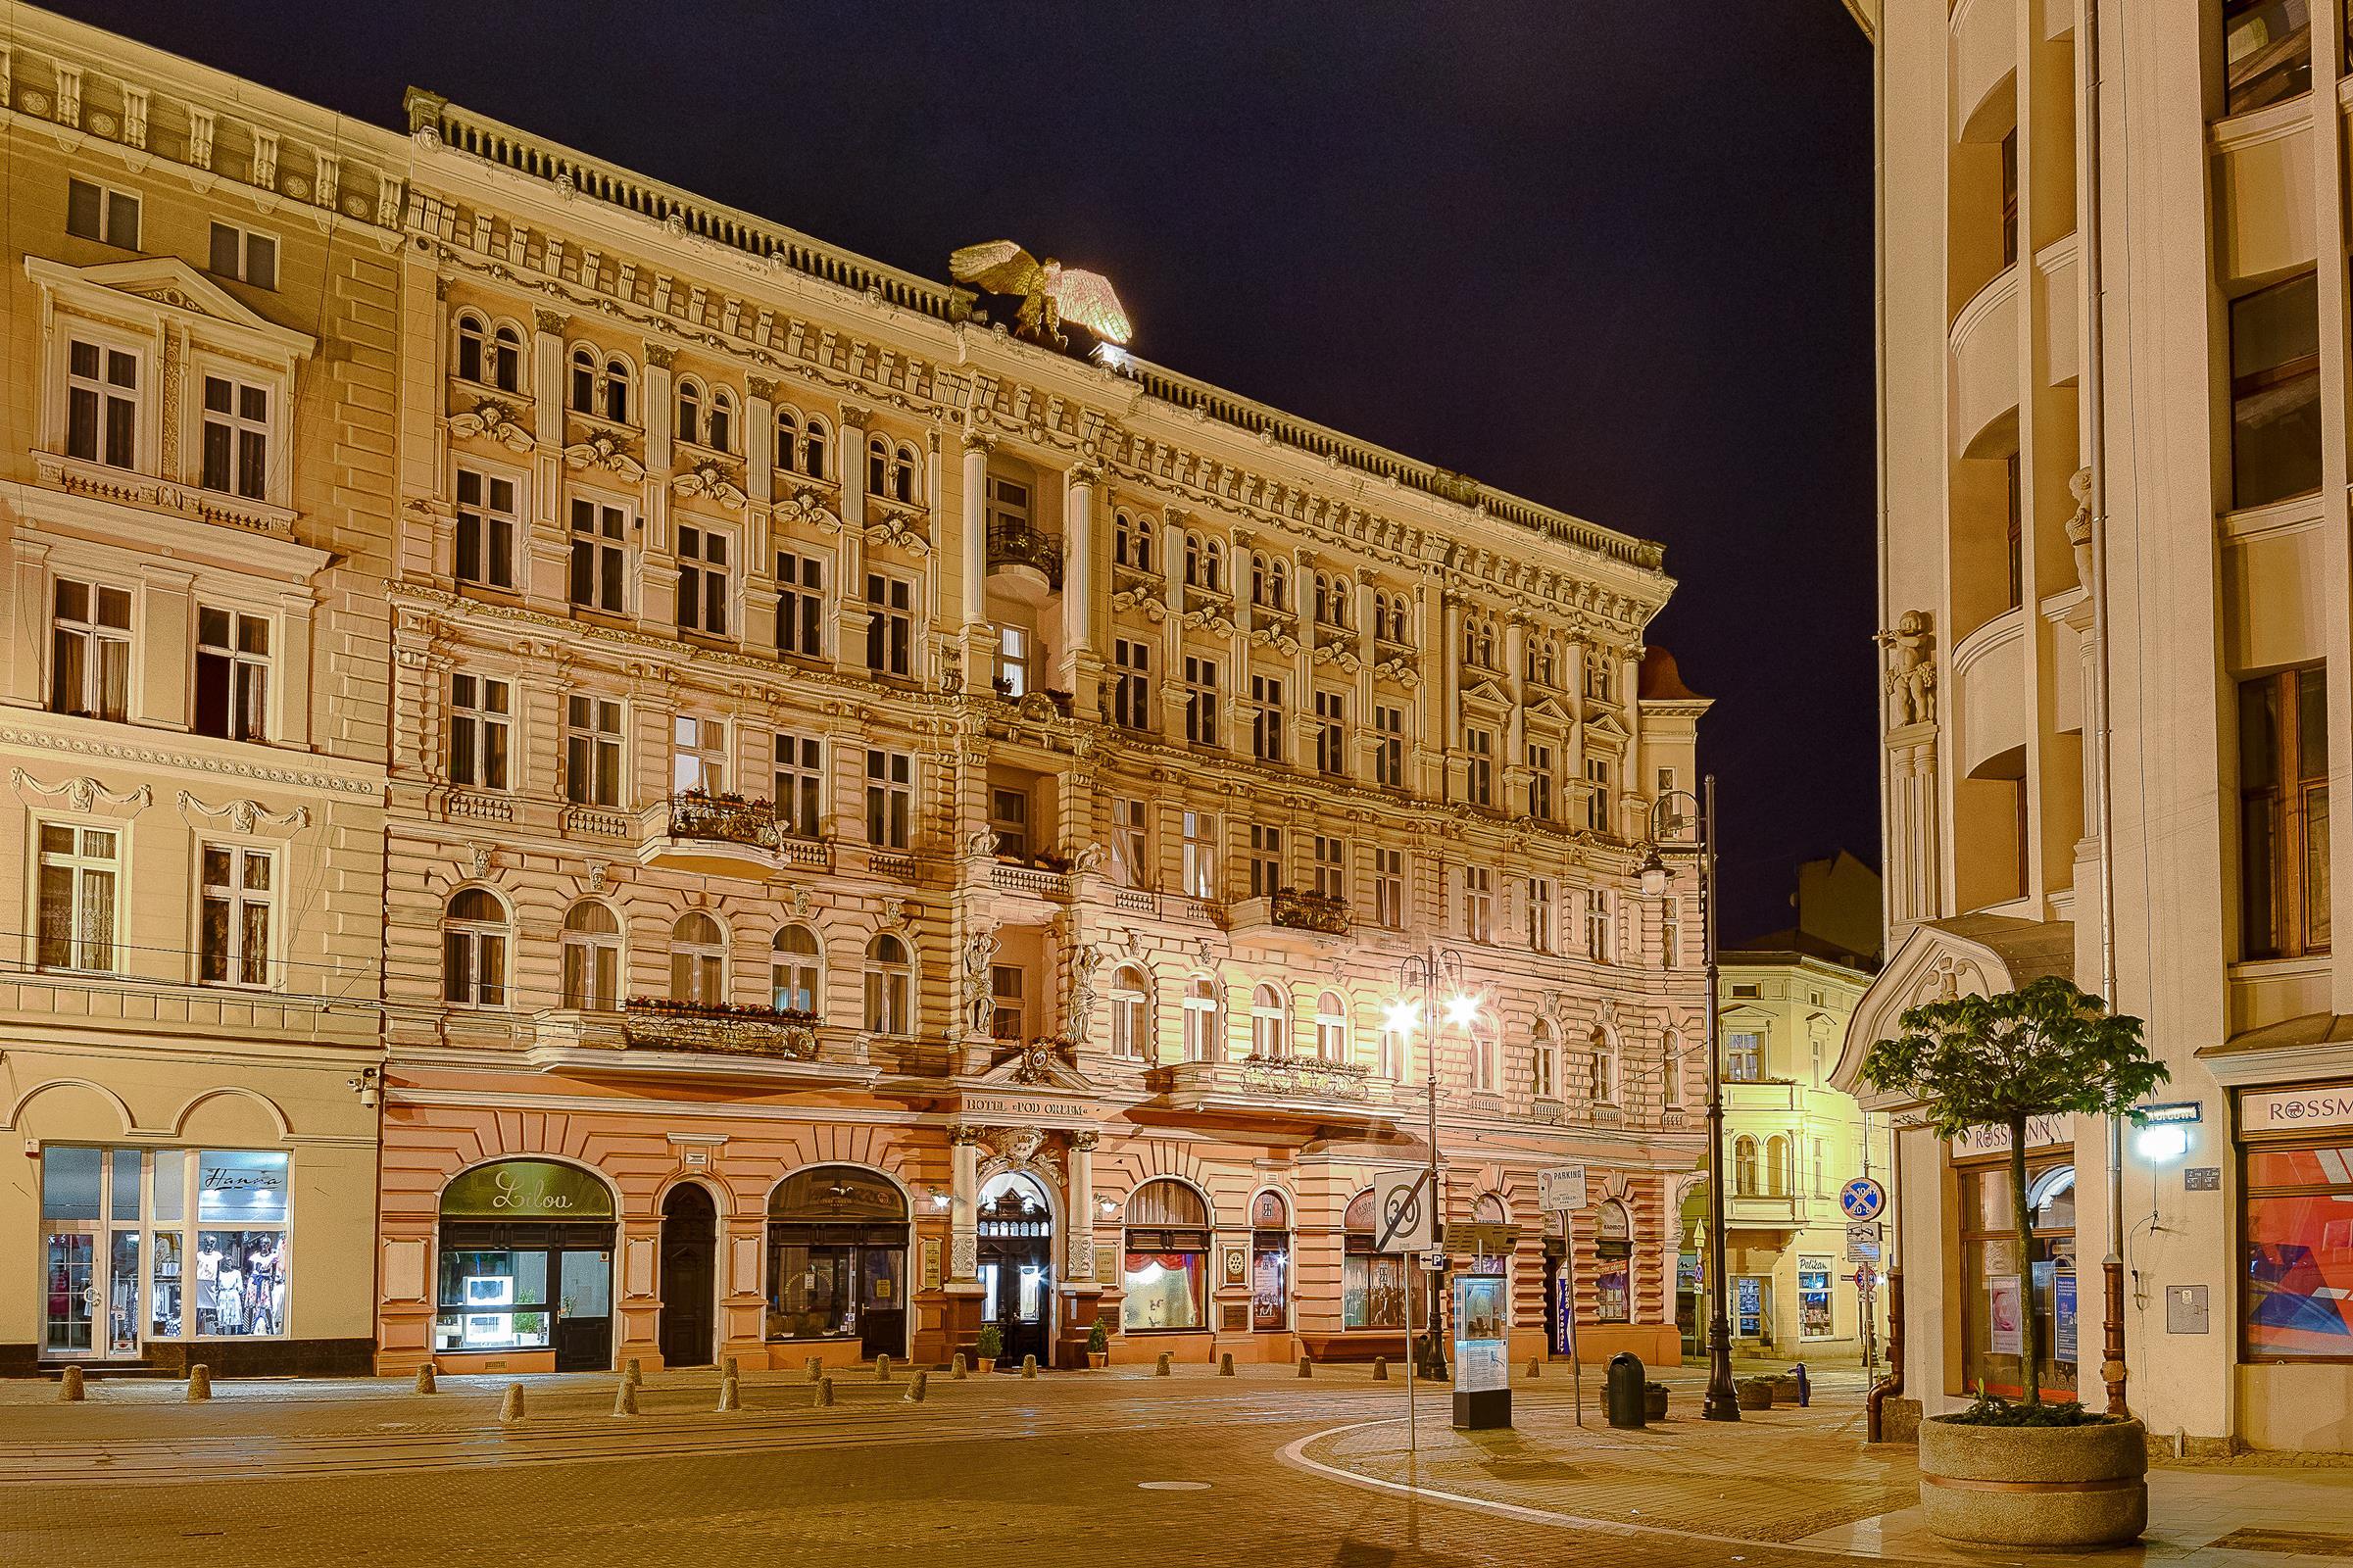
x: 208, y: 1285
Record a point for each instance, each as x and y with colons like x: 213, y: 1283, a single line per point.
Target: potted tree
x: 2028, y: 1473
x: 1098, y: 1345
x: 987, y: 1347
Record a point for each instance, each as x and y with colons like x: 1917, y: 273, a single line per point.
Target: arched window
x: 837, y: 1258
x: 1479, y: 642
x: 1372, y: 1285
x: 1165, y: 1273
x: 903, y: 473
x: 1780, y: 1180
x: 1131, y: 1017
x: 506, y: 359
x: 584, y: 379
x: 792, y: 970
x: 1270, y: 582
x: 618, y: 376
x: 1201, y: 1019
x: 473, y: 950
x: 474, y: 348
x: 1544, y: 1060
x: 592, y: 958
x: 1270, y: 1022
x: 690, y: 411
x: 721, y: 425
x: 878, y: 466
x: 698, y: 960
x: 1743, y: 1167
x: 788, y: 439
x: 1131, y: 542
x: 1488, y: 1209
x: 1330, y: 1027
x: 890, y: 986
x: 1205, y: 564
x: 1602, y: 1085
x: 815, y: 442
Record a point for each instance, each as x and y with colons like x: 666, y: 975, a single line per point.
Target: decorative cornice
x: 52, y: 741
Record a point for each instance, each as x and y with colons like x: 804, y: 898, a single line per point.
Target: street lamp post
x: 1430, y: 971
x: 1722, y: 1402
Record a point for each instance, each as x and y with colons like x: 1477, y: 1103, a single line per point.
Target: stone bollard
x: 624, y: 1399
x: 632, y: 1373
x: 1160, y: 1367
x: 732, y: 1391
x: 510, y: 1408
x: 1306, y: 1367
x: 918, y: 1388
x: 812, y: 1370
x: 1029, y: 1366
x: 70, y: 1390
x: 824, y: 1392
x: 1536, y: 1368
x: 729, y: 1367
x: 882, y: 1369
x: 425, y: 1379
x: 200, y: 1383
x: 1380, y: 1369
x: 955, y: 1367
x: 1225, y: 1365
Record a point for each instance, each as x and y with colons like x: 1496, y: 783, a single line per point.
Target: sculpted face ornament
x: 1050, y: 292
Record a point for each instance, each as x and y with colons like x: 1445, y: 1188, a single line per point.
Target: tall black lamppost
x: 1722, y: 1402
x: 1428, y: 972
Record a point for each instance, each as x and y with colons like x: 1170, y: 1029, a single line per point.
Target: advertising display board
x: 1482, y: 1351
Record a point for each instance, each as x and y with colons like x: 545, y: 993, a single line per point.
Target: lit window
x: 698, y: 960
x: 78, y: 888
x: 238, y: 899
x: 794, y: 970
x: 481, y: 716
x: 698, y: 755
x: 1270, y: 1022
x: 89, y: 650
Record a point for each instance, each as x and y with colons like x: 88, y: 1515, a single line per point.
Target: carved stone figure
x: 1081, y: 1010
x: 1911, y: 676
x: 980, y: 996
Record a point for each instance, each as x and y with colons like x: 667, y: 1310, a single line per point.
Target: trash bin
x: 1623, y: 1394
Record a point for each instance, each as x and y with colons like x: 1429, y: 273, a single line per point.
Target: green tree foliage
x: 2044, y: 1049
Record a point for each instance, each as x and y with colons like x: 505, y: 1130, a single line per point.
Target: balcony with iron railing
x: 721, y: 835
x: 1280, y: 1089
x: 656, y: 1037
x: 1016, y: 546
x: 1311, y: 917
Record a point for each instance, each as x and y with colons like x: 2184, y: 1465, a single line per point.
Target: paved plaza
x: 1261, y: 1468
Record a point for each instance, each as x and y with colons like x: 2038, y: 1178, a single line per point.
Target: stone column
x: 964, y: 1206
x: 1513, y: 763
x: 1078, y: 586
x: 1080, y: 1201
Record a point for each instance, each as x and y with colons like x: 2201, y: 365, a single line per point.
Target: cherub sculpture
x: 1911, y: 667
x: 1050, y: 292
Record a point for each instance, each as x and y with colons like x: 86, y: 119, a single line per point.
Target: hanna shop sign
x: 527, y: 1189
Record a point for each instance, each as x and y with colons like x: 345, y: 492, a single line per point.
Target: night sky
x: 1613, y: 258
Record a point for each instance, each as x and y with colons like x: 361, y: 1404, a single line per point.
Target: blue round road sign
x: 1862, y: 1198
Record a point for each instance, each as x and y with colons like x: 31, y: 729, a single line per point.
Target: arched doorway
x: 1016, y: 1266
x: 690, y: 1235
x: 837, y: 1258
x: 526, y: 1267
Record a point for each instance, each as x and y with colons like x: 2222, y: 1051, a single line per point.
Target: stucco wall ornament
x: 902, y: 530
x: 83, y: 794
x: 493, y: 419
x: 603, y: 451
x: 807, y: 507
x: 709, y: 478
x: 246, y: 815
x: 1911, y: 675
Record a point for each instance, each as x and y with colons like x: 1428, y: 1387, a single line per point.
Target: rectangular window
x: 2284, y: 813
x: 488, y: 525
x: 78, y: 874
x: 236, y: 437
x: 2266, y: 52
x: 102, y: 405
x: 1266, y: 719
x: 600, y: 556
x: 1331, y: 868
x: 1009, y: 817
x: 592, y: 750
x: 1540, y: 782
x: 1008, y: 504
x: 232, y: 675
x: 1201, y: 700
x: 1596, y: 800
x: 889, y: 798
x: 481, y: 711
x: 1331, y: 734
x: 698, y: 755
x: 1540, y: 913
x: 1598, y: 919
x: 1388, y: 888
x: 1813, y: 1298
x: 702, y: 580
x: 1743, y: 1059
x: 1009, y: 1020
x: 1131, y: 691
x: 89, y: 650
x: 1265, y: 859
x: 1670, y: 933
x: 2298, y: 1270
x: 246, y: 255
x: 1389, y: 752
x: 799, y: 793
x: 1014, y: 654
x: 1200, y: 855
x: 240, y: 899
x: 2010, y: 198
x: 2276, y: 393
x: 891, y: 625
x: 799, y: 604
x: 101, y: 213
x: 2014, y: 482
x: 1372, y: 1290
x: 1480, y: 745
x: 1478, y: 903
x: 1131, y: 843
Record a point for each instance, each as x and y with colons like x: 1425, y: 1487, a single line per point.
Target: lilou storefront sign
x: 527, y: 1189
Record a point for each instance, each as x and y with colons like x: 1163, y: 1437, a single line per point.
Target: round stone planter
x: 2034, y: 1487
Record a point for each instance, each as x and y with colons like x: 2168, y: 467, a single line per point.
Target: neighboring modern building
x: 2113, y: 366
x: 1791, y: 1138
x: 196, y: 483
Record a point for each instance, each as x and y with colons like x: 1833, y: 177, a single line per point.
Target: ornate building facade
x: 195, y: 504
x: 897, y: 831
x: 2112, y: 437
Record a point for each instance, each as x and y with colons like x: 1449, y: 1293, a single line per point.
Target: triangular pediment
x: 1486, y: 691
x: 1605, y: 726
x: 167, y: 285
x: 1963, y: 956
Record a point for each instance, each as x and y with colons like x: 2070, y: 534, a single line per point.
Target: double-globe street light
x: 1430, y: 972
x: 1722, y: 1402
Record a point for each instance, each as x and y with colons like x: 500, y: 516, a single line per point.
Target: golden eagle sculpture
x: 1051, y: 293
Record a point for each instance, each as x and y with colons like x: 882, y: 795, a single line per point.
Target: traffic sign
x: 1862, y: 1241
x: 1862, y: 1198
x: 1560, y: 1190
x: 1403, y: 1213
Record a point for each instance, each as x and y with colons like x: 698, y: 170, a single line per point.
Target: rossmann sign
x: 2274, y: 1112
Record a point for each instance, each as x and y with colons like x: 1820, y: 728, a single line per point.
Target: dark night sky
x: 1613, y: 258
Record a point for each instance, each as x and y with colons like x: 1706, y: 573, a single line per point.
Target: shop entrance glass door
x: 71, y: 1291
x: 584, y: 1316
x: 91, y: 1252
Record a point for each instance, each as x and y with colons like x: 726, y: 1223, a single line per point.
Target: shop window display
x: 2299, y: 1230
x: 1372, y: 1285
x: 1813, y: 1298
x: 1166, y: 1267
x: 1270, y: 1263
x: 525, y: 1263
x: 1998, y: 1287
x: 1613, y: 1263
x: 837, y: 1258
